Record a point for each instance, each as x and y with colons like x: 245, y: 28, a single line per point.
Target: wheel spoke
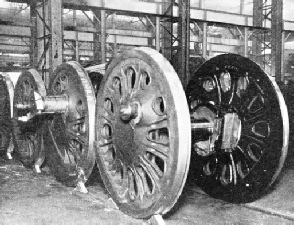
x: 147, y: 182
x: 109, y: 110
x: 115, y: 91
x: 139, y: 184
x: 77, y: 136
x: 127, y: 77
x: 154, y: 140
x: 76, y: 149
x: 105, y: 143
x: 152, y: 170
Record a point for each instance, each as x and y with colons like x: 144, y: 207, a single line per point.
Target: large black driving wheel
x: 243, y: 152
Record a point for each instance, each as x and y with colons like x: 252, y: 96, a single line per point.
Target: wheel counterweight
x: 241, y: 149
x: 143, y: 133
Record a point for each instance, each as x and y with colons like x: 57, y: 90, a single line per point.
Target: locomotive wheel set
x: 143, y: 130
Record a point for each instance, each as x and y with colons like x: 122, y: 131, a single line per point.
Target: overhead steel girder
x: 197, y: 12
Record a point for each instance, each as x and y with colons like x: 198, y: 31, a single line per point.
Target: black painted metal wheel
x: 27, y: 129
x: 242, y: 152
x: 70, y: 135
x: 6, y: 99
x: 143, y: 133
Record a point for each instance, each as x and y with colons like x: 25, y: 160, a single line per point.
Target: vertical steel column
x: 277, y: 39
x: 43, y: 36
x: 167, y: 29
x: 33, y: 46
x: 204, y: 40
x: 157, y: 34
x: 283, y: 55
x: 188, y: 37
x: 76, y: 41
x: 103, y: 36
x: 184, y: 41
x: 246, y: 34
x: 258, y: 18
x: 96, y: 36
x: 56, y: 42
x: 115, y: 46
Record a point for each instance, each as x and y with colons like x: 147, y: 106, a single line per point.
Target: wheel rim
x: 139, y: 133
x: 232, y: 86
x: 26, y: 127
x: 6, y: 99
x: 70, y: 141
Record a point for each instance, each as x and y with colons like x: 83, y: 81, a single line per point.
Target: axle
x: 204, y: 120
x: 42, y: 105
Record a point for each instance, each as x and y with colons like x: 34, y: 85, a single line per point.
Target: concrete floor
x: 26, y: 198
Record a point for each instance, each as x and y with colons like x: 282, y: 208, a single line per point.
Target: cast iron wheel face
x: 143, y: 133
x: 254, y: 120
x: 6, y: 99
x: 70, y: 140
x: 26, y: 133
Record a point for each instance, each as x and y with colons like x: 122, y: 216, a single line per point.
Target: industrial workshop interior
x: 155, y: 112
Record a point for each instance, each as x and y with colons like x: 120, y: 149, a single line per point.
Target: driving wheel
x: 70, y: 132
x: 242, y: 151
x: 28, y: 128
x: 143, y: 133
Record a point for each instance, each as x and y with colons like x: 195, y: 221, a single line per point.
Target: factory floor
x: 27, y: 198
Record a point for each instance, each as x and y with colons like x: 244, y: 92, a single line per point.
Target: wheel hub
x: 210, y: 134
